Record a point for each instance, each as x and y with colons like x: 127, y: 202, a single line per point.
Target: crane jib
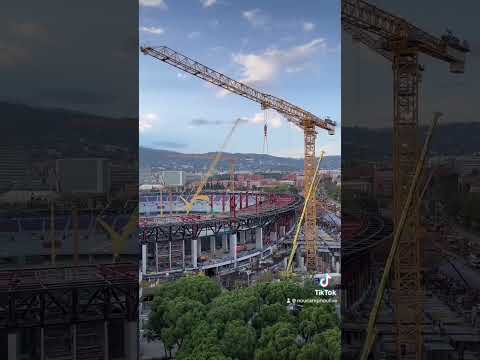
x: 292, y: 112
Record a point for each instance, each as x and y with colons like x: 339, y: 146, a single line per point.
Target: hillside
x: 172, y: 160
x: 454, y: 139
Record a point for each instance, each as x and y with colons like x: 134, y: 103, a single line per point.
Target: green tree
x: 172, y: 320
x: 325, y: 346
x: 278, y: 342
x: 239, y: 340
x: 199, y: 288
x: 270, y: 315
x: 315, y: 319
x: 233, y: 305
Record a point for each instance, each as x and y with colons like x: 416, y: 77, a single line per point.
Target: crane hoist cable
x: 371, y: 332
x: 308, y: 198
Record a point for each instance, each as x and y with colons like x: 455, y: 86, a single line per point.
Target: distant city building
x: 145, y: 175
x: 466, y: 165
x: 123, y: 175
x: 173, y: 178
x: 83, y: 175
x: 14, y: 165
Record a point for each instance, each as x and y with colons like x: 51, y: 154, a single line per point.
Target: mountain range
x: 172, y: 160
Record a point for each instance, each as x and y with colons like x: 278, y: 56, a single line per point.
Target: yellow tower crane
x: 401, y: 42
x: 296, y: 115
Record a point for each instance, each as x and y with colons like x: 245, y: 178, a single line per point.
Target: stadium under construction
x: 228, y: 233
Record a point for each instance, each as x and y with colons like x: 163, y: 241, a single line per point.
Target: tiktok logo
x: 325, y: 280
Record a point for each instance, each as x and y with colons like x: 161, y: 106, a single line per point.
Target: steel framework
x: 68, y: 295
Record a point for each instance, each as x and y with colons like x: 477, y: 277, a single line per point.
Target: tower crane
x: 296, y: 115
x: 401, y: 42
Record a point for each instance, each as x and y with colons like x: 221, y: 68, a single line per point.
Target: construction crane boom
x: 298, y: 116
x: 359, y: 15
x: 293, y: 113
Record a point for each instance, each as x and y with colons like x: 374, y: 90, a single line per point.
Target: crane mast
x: 298, y: 116
x: 401, y: 43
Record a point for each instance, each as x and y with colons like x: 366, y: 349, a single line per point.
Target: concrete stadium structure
x: 229, y: 232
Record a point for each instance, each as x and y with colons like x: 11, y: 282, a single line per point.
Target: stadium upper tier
x: 162, y: 209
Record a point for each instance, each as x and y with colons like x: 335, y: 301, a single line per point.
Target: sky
x: 79, y: 57
x: 292, y: 52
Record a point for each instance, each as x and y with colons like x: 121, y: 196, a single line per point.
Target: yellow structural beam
x: 118, y: 239
x: 371, y: 332
x: 213, y: 166
x: 302, y: 216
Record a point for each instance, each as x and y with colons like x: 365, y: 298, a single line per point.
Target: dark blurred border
x: 447, y: 232
x: 68, y: 180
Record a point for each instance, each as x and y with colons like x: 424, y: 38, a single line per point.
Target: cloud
x: 274, y: 119
x: 169, y: 144
x: 193, y: 35
x: 181, y: 76
x: 256, y: 17
x: 208, y: 3
x: 203, y: 122
x: 154, y: 3
x: 308, y: 26
x: 261, y: 69
x: 152, y: 30
x: 147, y: 121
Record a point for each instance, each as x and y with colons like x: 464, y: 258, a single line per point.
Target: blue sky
x: 276, y: 46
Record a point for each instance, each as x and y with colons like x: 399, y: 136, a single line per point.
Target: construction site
x: 405, y: 294
x: 238, y: 237
x: 69, y: 270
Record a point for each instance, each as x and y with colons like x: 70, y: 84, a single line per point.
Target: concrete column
x: 212, y: 244
x: 273, y: 237
x: 242, y: 237
x: 224, y: 242
x: 131, y: 340
x: 183, y: 254
x: 170, y: 255
x: 233, y: 247
x: 194, y: 252
x: 259, y: 238
x: 156, y: 257
x: 299, y: 259
x: 282, y: 231
x: 144, y: 258
x: 106, y: 355
x: 12, y: 346
x: 199, y: 249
